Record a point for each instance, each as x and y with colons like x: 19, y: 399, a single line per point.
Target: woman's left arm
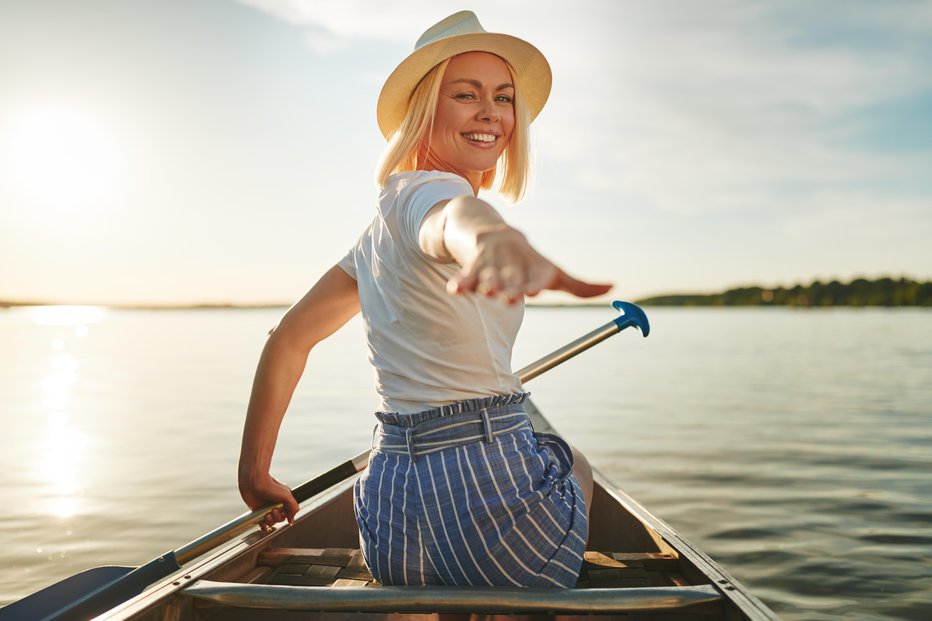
x: 330, y: 303
x: 496, y: 258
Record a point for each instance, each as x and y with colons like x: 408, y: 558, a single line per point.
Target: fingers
x: 271, y: 491
x: 465, y: 280
x: 507, y: 267
x: 543, y: 276
x: 581, y: 289
x: 511, y: 284
x: 508, y: 284
x: 287, y: 510
x: 271, y: 518
x: 290, y: 508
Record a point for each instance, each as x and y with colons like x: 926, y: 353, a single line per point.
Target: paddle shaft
x: 568, y: 351
x: 358, y: 463
x: 242, y: 523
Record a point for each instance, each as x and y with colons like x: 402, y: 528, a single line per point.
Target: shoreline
x: 882, y: 292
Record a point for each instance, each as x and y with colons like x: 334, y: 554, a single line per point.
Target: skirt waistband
x: 451, y: 409
x: 478, y: 420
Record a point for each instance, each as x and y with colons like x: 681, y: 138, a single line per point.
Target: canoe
x: 635, y: 566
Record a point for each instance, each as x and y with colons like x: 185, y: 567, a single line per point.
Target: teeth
x: 481, y: 137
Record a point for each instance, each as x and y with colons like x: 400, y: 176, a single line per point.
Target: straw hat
x: 457, y: 34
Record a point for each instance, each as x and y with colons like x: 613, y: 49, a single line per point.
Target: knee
x: 580, y: 463
x: 583, y: 473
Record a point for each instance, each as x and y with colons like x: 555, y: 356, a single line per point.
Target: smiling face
x: 475, y: 117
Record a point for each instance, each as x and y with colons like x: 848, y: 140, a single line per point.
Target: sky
x: 221, y: 151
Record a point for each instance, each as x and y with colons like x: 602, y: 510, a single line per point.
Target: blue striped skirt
x: 468, y: 494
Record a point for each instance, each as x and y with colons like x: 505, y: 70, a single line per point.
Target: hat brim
x: 532, y: 73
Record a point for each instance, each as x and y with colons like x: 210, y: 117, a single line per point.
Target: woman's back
x: 427, y: 347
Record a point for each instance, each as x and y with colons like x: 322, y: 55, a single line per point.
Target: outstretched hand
x: 506, y: 265
x: 269, y: 491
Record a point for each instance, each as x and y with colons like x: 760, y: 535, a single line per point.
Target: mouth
x: 483, y: 140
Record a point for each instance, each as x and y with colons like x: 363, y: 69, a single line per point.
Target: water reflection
x: 57, y: 384
x: 77, y: 316
x: 59, y: 468
x: 63, y: 446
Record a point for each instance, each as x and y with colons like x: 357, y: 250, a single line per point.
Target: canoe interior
x: 626, y: 555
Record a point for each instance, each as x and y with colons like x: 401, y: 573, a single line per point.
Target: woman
x: 459, y: 489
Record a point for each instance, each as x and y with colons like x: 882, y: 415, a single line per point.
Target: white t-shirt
x: 428, y: 347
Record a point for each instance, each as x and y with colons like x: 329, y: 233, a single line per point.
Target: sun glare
x: 77, y: 316
x: 62, y: 157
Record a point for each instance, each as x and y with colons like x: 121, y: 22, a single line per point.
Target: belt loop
x: 375, y: 430
x: 487, y: 424
x: 409, y: 440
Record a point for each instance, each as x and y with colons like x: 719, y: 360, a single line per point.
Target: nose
x: 489, y: 111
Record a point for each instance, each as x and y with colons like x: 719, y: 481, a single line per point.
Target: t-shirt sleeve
x: 417, y: 199
x: 348, y: 263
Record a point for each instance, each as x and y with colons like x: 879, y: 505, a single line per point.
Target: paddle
x: 94, y: 591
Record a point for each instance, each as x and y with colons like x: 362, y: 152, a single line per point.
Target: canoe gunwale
x: 728, y: 586
x: 242, y: 546
x: 733, y: 590
x: 438, y: 599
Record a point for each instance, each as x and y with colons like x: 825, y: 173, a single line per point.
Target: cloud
x: 695, y: 108
x: 353, y: 19
x: 370, y: 20
x: 722, y: 106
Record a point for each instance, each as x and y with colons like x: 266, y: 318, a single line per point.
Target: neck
x: 432, y: 163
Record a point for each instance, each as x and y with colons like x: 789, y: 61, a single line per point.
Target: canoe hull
x: 644, y: 569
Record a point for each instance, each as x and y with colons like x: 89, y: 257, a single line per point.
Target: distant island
x: 858, y: 292
x: 144, y: 307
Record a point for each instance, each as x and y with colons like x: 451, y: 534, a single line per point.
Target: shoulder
x: 408, y: 197
x: 407, y: 182
x: 414, y: 193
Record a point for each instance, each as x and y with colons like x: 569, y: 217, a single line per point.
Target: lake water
x: 793, y: 446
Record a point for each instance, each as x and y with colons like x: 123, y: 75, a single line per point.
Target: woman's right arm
x: 328, y: 305
x: 496, y: 259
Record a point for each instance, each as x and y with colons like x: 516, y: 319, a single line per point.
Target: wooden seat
x: 323, y: 579
x: 346, y: 567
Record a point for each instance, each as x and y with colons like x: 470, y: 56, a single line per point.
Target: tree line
x: 858, y: 292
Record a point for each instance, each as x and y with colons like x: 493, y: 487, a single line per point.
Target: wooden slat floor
x: 345, y: 567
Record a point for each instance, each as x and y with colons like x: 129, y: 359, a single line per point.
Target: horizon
x: 529, y: 302
x: 163, y: 153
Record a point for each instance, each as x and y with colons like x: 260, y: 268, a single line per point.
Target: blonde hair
x: 406, y: 143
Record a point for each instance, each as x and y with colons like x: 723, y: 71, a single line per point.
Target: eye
x: 505, y: 99
x: 465, y: 96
